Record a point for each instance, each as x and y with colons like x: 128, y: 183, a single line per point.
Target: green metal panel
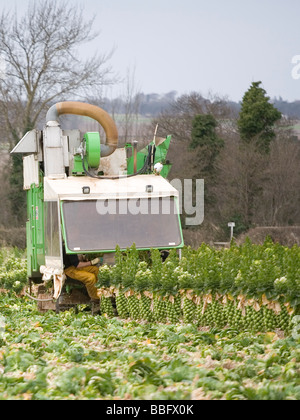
x: 92, y: 157
x: 77, y: 167
x: 35, y: 230
x: 160, y: 157
x: 92, y: 149
x: 165, y: 171
x: 141, y: 157
x: 29, y: 249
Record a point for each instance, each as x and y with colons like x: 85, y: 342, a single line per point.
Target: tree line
x: 152, y: 104
x: 249, y: 161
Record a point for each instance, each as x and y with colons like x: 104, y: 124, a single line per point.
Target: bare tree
x: 281, y: 193
x: 241, y: 180
x: 126, y: 108
x: 41, y: 63
x: 179, y: 116
x: 131, y: 106
x: 260, y: 189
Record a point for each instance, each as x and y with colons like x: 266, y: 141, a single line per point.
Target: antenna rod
x: 155, y: 132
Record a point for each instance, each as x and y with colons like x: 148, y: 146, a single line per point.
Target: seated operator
x: 84, y: 271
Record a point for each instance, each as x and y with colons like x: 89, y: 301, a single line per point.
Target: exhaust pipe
x: 92, y: 111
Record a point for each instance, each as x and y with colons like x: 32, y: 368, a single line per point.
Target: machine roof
x: 70, y: 188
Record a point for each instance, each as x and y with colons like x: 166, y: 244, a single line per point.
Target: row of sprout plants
x: 255, y: 287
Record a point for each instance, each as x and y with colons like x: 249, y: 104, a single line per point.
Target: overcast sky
x: 217, y: 46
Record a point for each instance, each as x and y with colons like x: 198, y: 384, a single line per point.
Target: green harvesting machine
x: 91, y: 197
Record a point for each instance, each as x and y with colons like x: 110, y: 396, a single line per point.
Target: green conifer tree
x: 257, y: 118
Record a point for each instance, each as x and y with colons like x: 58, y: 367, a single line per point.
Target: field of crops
x: 68, y: 356
x: 217, y: 324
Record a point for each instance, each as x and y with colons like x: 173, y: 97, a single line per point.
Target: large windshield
x: 101, y: 225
